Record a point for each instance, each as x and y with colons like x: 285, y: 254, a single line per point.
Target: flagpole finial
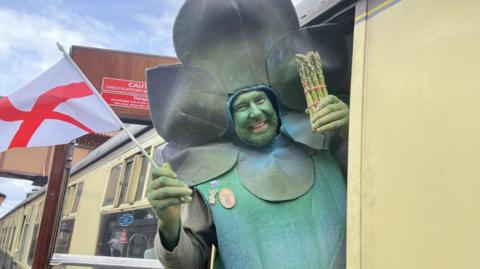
x: 61, y: 48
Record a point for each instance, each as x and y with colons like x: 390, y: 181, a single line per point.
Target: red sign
x: 125, y: 93
x: 125, y: 100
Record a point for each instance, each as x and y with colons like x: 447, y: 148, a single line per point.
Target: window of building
x: 112, y: 185
x: 127, y: 234
x: 76, y: 199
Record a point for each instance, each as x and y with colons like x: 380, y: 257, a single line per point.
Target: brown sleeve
x: 197, y: 234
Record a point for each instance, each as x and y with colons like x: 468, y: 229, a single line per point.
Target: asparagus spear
x: 310, y: 70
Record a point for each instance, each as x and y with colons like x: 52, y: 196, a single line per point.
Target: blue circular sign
x: 125, y: 220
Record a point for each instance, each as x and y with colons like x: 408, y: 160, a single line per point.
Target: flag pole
x: 60, y: 47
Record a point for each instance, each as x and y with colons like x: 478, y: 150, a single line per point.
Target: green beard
x: 260, y: 139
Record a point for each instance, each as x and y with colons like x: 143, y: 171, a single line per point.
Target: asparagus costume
x: 290, y: 195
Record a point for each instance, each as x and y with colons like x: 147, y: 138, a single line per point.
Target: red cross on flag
x: 55, y: 108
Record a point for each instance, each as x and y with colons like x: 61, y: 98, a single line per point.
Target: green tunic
x: 306, y: 232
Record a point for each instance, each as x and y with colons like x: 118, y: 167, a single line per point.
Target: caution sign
x: 125, y: 93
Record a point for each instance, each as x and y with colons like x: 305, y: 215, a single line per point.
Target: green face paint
x: 254, y: 118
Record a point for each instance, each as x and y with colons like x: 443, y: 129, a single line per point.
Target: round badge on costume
x: 227, y: 198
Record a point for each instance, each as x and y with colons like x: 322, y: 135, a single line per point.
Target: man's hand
x: 331, y: 115
x: 165, y: 193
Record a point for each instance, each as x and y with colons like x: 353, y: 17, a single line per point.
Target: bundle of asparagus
x: 311, y: 74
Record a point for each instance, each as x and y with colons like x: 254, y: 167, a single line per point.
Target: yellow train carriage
x: 105, y: 210
x: 413, y: 147
x: 18, y: 232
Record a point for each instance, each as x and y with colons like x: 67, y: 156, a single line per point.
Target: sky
x: 29, y: 30
x: 15, y: 190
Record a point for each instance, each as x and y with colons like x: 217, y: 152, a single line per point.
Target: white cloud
x: 158, y: 32
x: 15, y: 190
x: 27, y: 43
x: 27, y: 46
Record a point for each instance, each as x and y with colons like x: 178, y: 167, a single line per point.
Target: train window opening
x: 4, y: 236
x: 31, y: 251
x: 12, y: 235
x: 127, y: 181
x: 76, y: 199
x: 113, y: 180
x: 64, y: 237
x: 144, y: 175
x: 128, y: 234
x: 157, y: 157
x: 7, y: 239
x: 67, y: 204
x: 39, y: 212
x: 124, y: 183
x: 24, y: 235
x: 8, y: 236
x: 134, y: 179
x: 36, y: 228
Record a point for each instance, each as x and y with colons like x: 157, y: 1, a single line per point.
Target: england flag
x: 55, y: 108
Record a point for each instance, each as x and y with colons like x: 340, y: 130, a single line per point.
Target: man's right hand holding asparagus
x: 331, y: 115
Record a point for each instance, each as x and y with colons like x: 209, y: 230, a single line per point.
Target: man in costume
x: 241, y: 157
